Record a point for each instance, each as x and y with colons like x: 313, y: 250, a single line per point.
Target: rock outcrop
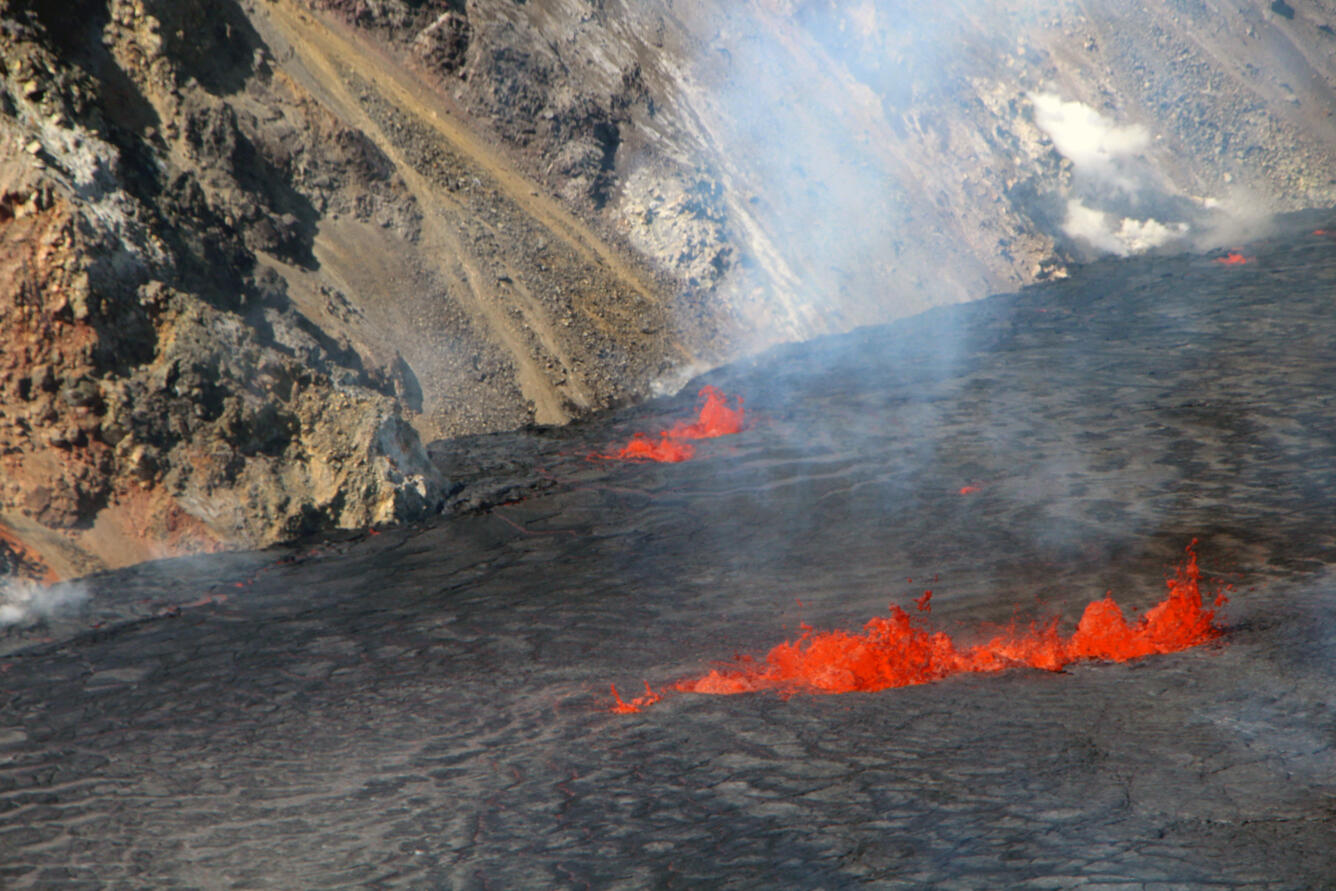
x: 161, y: 391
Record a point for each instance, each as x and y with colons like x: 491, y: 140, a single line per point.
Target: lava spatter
x: 664, y: 449
x: 714, y: 418
x: 1233, y: 258
x: 899, y: 650
x: 622, y: 707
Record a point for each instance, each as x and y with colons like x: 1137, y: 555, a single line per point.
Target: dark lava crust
x: 428, y: 707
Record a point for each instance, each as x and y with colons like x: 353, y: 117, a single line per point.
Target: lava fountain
x: 899, y: 650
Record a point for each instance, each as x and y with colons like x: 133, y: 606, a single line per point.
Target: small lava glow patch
x: 714, y: 417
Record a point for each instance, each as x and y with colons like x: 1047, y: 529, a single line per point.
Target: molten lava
x: 713, y: 418
x: 1233, y: 258
x: 898, y: 650
x: 636, y: 704
x: 665, y: 449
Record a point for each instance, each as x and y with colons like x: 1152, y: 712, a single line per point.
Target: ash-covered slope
x: 257, y: 252
x: 815, y: 165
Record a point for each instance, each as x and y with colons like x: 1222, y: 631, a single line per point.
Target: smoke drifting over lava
x: 24, y: 602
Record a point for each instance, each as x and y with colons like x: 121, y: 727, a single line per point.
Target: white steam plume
x: 1093, y: 143
x: 1124, y: 237
x: 1114, y: 182
x: 24, y: 603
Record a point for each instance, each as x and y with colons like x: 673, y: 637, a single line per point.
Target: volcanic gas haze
x: 259, y: 251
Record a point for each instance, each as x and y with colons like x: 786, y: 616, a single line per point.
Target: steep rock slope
x: 161, y: 390
x: 808, y: 165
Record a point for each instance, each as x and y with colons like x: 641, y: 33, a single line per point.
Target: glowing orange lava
x: 665, y: 449
x: 968, y: 490
x: 899, y: 650
x: 713, y: 418
x: 1233, y: 258
x: 636, y: 704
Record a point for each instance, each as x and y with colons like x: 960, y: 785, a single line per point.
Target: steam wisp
x: 1116, y: 188
x: 25, y: 602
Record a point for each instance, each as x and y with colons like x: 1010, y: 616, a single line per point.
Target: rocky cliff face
x: 256, y: 253
x: 162, y: 390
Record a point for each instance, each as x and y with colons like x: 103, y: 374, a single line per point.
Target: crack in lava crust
x: 899, y: 650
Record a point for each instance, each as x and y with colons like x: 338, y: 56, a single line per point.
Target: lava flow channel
x: 899, y: 651
x: 714, y: 418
